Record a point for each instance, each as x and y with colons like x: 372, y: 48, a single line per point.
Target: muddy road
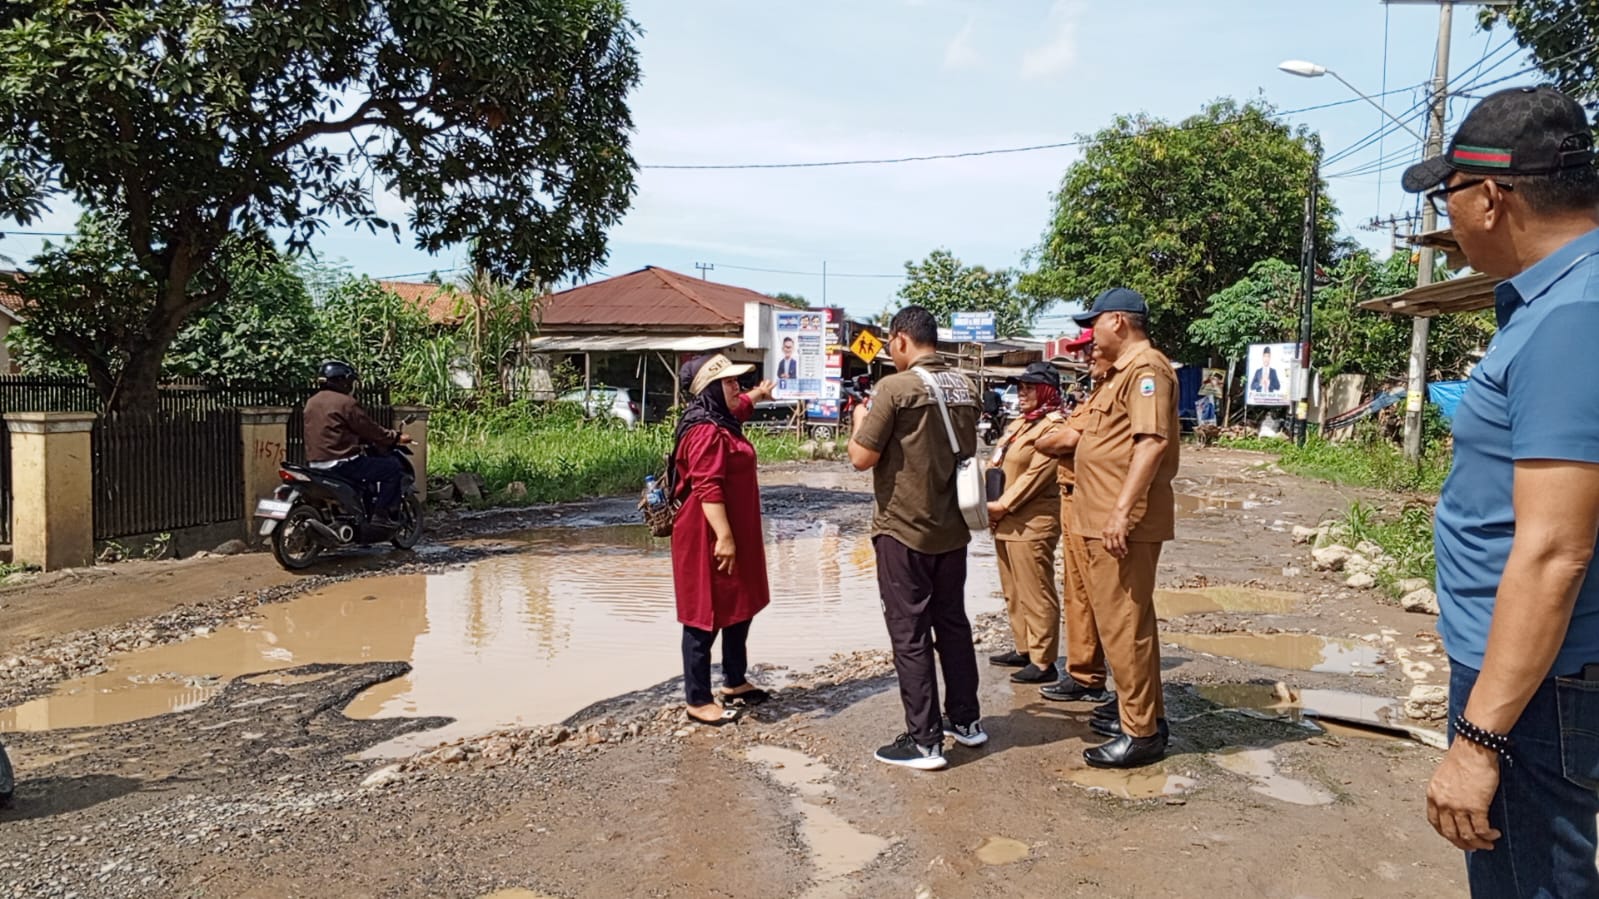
x: 499, y: 714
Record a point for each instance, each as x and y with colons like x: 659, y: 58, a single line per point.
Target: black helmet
x: 334, y: 370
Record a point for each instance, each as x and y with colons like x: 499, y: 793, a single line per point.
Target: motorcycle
x: 991, y: 426
x: 314, y: 510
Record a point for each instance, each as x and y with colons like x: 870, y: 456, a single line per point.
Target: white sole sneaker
x: 976, y: 739
x: 923, y: 763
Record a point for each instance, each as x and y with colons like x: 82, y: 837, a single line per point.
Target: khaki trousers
x: 1027, y: 575
x: 1085, y: 656
x: 1123, y: 594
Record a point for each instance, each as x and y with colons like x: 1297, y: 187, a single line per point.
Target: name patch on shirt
x: 1146, y: 387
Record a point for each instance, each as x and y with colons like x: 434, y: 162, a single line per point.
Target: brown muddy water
x: 1303, y: 652
x: 528, y: 637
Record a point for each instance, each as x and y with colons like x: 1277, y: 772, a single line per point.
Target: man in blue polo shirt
x: 1519, y: 514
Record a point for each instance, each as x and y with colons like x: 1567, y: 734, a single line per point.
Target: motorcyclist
x: 336, y: 428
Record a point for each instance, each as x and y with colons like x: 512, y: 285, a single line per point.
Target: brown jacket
x: 1032, y: 495
x: 336, y: 427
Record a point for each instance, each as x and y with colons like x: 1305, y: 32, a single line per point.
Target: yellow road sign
x: 866, y: 346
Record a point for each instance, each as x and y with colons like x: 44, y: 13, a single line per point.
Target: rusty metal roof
x: 650, y: 298
x: 439, y: 301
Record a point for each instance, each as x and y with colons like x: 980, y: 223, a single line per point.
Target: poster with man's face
x: 1268, y: 372
x: 799, y: 359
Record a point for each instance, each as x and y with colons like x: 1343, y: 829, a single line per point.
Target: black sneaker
x: 1012, y: 659
x: 1068, y: 690
x: 966, y: 734
x: 906, y: 753
x: 1033, y: 674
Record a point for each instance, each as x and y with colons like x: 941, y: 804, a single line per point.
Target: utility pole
x: 1416, y: 385
x: 1392, y: 223
x: 824, y: 283
x: 705, y: 267
x: 1301, y: 424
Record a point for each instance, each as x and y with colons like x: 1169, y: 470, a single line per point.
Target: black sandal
x: 747, y: 698
x: 728, y: 717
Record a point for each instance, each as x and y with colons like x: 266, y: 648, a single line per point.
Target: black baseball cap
x: 1116, y: 299
x: 1520, y: 131
x: 1037, y: 373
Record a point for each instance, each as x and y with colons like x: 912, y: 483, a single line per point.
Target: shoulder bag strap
x: 943, y: 408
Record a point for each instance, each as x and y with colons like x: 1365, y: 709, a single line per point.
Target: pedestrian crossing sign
x: 866, y: 347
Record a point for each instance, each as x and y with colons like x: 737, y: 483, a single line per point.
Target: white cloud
x: 959, y: 53
x: 1059, y: 52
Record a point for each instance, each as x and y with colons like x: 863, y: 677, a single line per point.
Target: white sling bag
x: 970, y: 492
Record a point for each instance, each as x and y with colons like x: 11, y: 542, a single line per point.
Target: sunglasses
x: 1439, y: 198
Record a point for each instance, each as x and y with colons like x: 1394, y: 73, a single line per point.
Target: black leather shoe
x: 1012, y: 659
x: 1112, y: 727
x: 1033, y: 674
x: 1127, y: 752
x: 1068, y: 690
x: 1111, y: 710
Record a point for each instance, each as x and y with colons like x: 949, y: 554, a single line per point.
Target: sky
x: 733, y: 82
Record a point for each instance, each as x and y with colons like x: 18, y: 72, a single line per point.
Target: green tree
x: 792, y: 299
x: 1562, y: 37
x: 943, y: 285
x: 183, y: 124
x: 1179, y: 212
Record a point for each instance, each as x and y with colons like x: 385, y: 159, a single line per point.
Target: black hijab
x: 707, y: 407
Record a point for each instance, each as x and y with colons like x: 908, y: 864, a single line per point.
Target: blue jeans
x: 1547, y: 800
x: 382, y: 472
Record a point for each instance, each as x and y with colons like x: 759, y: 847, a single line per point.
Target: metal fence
x: 156, y: 473
x: 176, y: 467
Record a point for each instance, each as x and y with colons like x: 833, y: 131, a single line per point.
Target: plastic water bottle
x: 653, y: 491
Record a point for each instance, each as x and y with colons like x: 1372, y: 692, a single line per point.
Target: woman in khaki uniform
x: 1026, y: 523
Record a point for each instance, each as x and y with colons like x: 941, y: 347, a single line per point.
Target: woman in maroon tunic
x: 718, y: 552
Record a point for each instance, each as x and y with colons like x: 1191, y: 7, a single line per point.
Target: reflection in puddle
x: 837, y: 848
x: 1305, y: 652
x: 1176, y: 603
x: 1001, y: 851
x: 517, y: 893
x: 1261, y: 765
x: 1189, y: 504
x: 1337, y: 712
x: 1142, y: 784
x: 530, y: 638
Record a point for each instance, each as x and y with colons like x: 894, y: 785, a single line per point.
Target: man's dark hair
x: 1137, y: 321
x: 1266, y: 350
x: 917, y: 324
x: 1568, y: 190
x: 788, y: 340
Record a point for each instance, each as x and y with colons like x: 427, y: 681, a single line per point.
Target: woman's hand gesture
x: 723, y: 552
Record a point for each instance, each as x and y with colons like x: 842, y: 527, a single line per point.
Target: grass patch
x: 556, y: 454
x: 1358, y: 463
x: 1407, y: 538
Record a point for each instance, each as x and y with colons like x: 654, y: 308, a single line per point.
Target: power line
x: 782, y: 271
x: 897, y: 160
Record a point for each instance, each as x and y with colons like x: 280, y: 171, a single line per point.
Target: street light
x: 1310, y: 70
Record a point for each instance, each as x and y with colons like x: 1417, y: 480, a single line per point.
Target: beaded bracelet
x: 1499, y: 744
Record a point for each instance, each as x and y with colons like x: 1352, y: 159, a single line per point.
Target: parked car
x: 605, y: 402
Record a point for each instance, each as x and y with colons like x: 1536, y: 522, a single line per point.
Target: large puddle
x: 1303, y: 652
x: 837, y: 848
x: 1177, y: 603
x: 531, y: 637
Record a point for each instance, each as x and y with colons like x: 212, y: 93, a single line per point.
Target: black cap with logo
x: 1037, y: 373
x: 1116, y: 299
x: 1520, y: 131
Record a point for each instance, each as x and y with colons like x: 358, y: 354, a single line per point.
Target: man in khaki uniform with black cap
x: 1126, y: 453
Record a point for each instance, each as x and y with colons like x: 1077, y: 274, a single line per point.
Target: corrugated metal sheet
x: 648, y: 298
x: 1468, y: 294
x: 630, y: 343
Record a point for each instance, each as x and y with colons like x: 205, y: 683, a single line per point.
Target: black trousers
x: 697, y: 660
x: 924, y: 605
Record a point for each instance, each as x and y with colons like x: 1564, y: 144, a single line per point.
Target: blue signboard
x: 971, y: 327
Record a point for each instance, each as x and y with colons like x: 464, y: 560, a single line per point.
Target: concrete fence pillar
x: 264, y: 440
x: 418, y: 430
x: 52, y: 488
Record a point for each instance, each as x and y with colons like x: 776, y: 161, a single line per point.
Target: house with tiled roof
x: 10, y: 315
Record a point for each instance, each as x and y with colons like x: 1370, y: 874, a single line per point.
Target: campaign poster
x: 1268, y: 376
x: 1212, y: 381
x: 798, y: 360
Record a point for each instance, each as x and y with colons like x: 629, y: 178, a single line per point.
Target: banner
x: 1268, y: 374
x: 798, y: 360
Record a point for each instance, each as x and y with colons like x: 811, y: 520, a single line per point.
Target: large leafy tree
x: 184, y: 124
x: 943, y: 285
x: 1562, y: 36
x: 1179, y: 211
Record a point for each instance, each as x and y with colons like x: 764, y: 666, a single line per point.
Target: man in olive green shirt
x: 921, y: 538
